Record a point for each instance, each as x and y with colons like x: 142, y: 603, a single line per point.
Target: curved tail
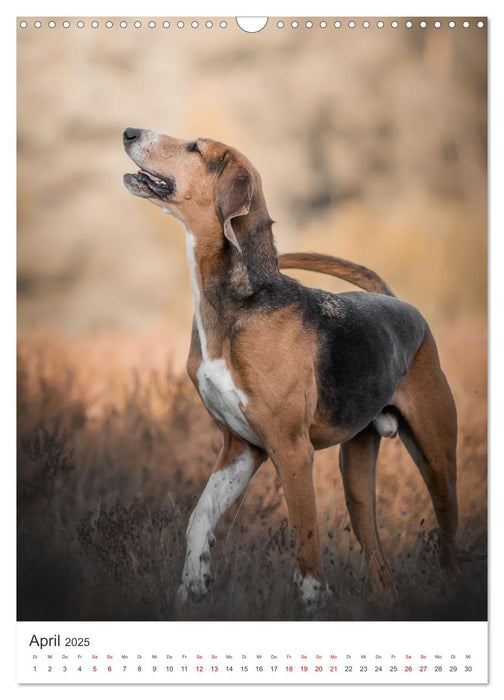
x: 361, y: 276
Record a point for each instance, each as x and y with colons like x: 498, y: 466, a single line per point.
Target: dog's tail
x: 361, y: 276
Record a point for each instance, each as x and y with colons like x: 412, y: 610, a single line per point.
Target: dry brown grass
x: 115, y: 448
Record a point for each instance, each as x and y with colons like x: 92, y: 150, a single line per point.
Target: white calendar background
x: 253, y: 652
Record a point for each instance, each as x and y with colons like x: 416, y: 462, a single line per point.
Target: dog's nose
x: 131, y: 134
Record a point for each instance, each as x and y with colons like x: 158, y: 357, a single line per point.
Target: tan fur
x: 346, y: 270
x: 270, y: 358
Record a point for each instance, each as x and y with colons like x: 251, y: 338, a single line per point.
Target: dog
x: 285, y: 370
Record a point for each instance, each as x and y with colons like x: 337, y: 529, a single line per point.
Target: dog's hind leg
x: 428, y: 429
x: 236, y: 464
x: 358, y: 468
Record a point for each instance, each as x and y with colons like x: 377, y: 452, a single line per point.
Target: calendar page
x: 251, y: 375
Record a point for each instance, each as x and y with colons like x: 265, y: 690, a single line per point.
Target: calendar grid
x: 249, y: 652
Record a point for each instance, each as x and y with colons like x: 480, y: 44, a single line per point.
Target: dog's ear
x: 233, y: 198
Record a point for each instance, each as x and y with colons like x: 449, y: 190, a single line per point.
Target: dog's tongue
x: 151, y: 176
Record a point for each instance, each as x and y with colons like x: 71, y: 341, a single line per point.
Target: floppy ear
x: 233, y: 198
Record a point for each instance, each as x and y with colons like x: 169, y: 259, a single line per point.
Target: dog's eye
x: 193, y: 147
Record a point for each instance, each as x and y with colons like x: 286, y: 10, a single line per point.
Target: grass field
x: 115, y: 448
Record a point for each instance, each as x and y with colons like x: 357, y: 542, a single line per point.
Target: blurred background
x: 371, y: 144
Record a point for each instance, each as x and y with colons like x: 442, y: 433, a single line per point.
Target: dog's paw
x: 182, y: 595
x: 194, y: 588
x: 192, y: 593
x: 310, y: 590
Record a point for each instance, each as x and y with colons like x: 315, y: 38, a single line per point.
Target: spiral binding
x: 278, y: 23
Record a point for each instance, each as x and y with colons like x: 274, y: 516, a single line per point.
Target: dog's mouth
x: 146, y: 184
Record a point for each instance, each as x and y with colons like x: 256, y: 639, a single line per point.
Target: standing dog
x: 285, y: 370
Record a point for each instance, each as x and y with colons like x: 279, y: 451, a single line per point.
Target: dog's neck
x: 257, y: 264
x: 223, y: 279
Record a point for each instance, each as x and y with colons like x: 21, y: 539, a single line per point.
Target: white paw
x: 310, y: 590
x: 196, y: 578
x: 182, y: 594
x: 194, y: 590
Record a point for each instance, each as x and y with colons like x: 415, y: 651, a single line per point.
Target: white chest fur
x: 216, y: 386
x: 223, y: 399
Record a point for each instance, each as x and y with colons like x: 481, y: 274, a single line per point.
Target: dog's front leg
x: 294, y: 462
x: 236, y: 464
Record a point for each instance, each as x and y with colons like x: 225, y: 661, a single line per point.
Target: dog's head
x: 204, y: 183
